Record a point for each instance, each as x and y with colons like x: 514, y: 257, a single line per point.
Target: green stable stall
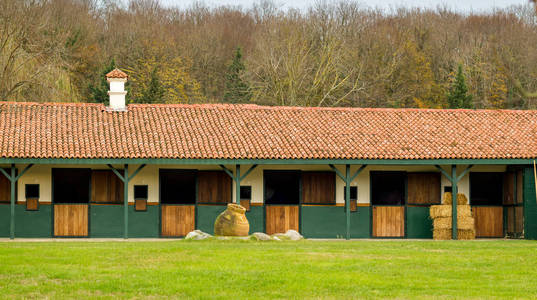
x: 530, y: 206
x: 330, y: 222
x: 106, y: 221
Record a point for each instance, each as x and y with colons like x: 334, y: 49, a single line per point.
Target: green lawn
x: 245, y: 269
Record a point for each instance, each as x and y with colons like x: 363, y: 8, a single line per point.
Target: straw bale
x: 465, y: 223
x: 442, y: 223
x: 446, y: 199
x: 439, y: 211
x: 463, y: 234
x: 442, y: 234
x: 442, y: 211
x: 461, y: 199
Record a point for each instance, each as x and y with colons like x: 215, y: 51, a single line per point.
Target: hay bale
x: 442, y: 223
x: 442, y: 211
x: 446, y: 199
x: 439, y: 211
x: 463, y: 234
x: 465, y: 223
x: 464, y: 210
x: 442, y: 234
x: 461, y: 199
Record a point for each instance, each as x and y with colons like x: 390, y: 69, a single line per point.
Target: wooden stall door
x: 280, y: 218
x: 71, y: 220
x: 318, y: 188
x: 214, y: 187
x: 423, y: 188
x: 388, y: 221
x: 106, y: 187
x: 177, y: 220
x: 488, y: 221
x: 5, y: 188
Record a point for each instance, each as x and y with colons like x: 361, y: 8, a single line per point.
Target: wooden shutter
x: 423, y: 188
x: 214, y: 187
x: 509, y: 188
x: 5, y: 188
x: 319, y: 187
x: 106, y: 187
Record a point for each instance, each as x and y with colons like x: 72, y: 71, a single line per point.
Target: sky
x: 460, y: 5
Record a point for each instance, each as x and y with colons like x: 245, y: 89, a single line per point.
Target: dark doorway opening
x: 177, y: 187
x: 388, y: 188
x: 71, y: 185
x: 486, y: 188
x: 282, y: 187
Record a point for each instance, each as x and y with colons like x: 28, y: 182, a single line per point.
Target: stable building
x: 148, y: 170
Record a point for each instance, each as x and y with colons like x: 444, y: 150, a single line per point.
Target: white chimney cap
x: 117, y: 79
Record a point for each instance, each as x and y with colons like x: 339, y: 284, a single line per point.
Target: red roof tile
x: 224, y: 131
x: 116, y: 73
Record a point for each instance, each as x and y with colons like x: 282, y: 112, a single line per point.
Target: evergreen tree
x: 237, y: 90
x: 154, y: 92
x: 458, y: 96
x: 99, y: 92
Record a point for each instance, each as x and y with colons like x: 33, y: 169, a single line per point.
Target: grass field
x: 244, y: 269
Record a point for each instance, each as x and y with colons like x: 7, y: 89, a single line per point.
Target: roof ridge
x: 251, y: 106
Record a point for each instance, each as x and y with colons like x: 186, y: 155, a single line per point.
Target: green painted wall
x: 418, y: 223
x: 33, y: 224
x: 206, y: 215
x: 106, y: 221
x: 330, y: 222
x: 530, y: 206
x: 5, y: 216
x: 256, y: 218
x: 144, y: 224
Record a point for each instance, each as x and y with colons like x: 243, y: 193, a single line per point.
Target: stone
x: 197, y: 235
x: 260, y: 236
x: 280, y: 237
x: 294, y: 235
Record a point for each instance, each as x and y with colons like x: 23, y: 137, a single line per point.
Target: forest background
x: 332, y: 54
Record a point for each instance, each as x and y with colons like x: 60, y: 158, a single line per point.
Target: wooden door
x: 214, y: 187
x: 423, y: 188
x: 177, y: 220
x: 388, y: 221
x: 106, y: 187
x: 280, y: 218
x: 318, y: 188
x: 488, y: 221
x: 5, y: 188
x: 71, y: 220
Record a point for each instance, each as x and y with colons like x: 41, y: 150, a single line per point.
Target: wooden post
x: 13, y: 180
x: 238, y: 184
x: 454, y: 201
x: 126, y: 202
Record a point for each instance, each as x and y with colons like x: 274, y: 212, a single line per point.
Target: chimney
x: 117, y: 79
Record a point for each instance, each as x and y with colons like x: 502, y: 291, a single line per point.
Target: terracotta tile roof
x: 52, y: 130
x: 116, y: 73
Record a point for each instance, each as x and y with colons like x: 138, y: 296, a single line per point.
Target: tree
x: 458, y: 96
x: 154, y: 92
x: 237, y: 90
x: 99, y: 92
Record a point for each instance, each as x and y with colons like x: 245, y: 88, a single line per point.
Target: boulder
x: 280, y: 237
x: 260, y: 236
x: 294, y: 235
x: 197, y: 235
